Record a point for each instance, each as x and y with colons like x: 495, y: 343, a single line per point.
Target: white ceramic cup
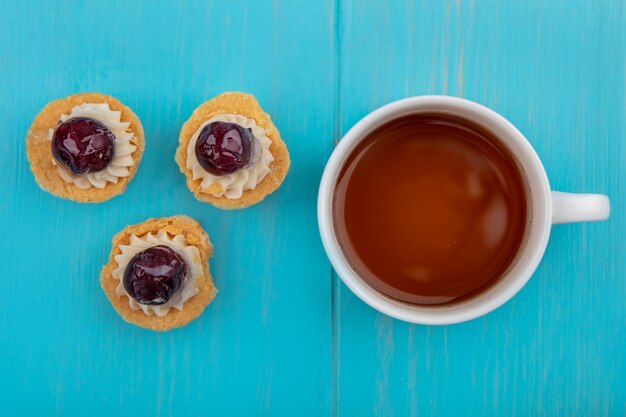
x: 545, y: 208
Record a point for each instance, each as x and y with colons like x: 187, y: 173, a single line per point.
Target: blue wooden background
x: 284, y: 336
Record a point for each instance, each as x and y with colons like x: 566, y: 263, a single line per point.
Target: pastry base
x: 245, y: 105
x: 39, y: 153
x: 194, y: 235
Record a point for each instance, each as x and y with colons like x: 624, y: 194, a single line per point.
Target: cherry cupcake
x: 231, y: 153
x: 158, y: 276
x: 85, y: 147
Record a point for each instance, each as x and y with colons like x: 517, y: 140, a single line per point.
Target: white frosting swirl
x: 233, y: 185
x: 122, y: 148
x: 190, y: 255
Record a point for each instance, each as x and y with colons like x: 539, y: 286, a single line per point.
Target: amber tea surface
x: 430, y: 209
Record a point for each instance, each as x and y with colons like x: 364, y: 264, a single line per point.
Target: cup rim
x: 433, y: 315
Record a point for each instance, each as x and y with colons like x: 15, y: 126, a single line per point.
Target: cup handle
x: 573, y: 208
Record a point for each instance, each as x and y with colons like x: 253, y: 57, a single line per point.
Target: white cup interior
x: 536, y: 233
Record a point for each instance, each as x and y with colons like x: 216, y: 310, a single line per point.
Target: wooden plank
x: 263, y: 346
x: 556, y: 70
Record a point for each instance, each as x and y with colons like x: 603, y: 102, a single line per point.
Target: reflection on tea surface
x: 430, y: 209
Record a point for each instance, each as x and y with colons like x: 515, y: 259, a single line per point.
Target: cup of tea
x: 437, y: 210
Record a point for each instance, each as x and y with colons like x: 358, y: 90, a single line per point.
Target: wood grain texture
x: 284, y: 336
x: 64, y: 350
x: 557, y: 70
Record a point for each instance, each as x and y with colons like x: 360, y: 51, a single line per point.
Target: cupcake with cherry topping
x: 231, y: 153
x: 158, y: 276
x: 85, y: 147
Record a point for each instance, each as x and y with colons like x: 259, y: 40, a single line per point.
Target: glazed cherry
x: 223, y: 148
x: 152, y: 276
x: 82, y: 145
